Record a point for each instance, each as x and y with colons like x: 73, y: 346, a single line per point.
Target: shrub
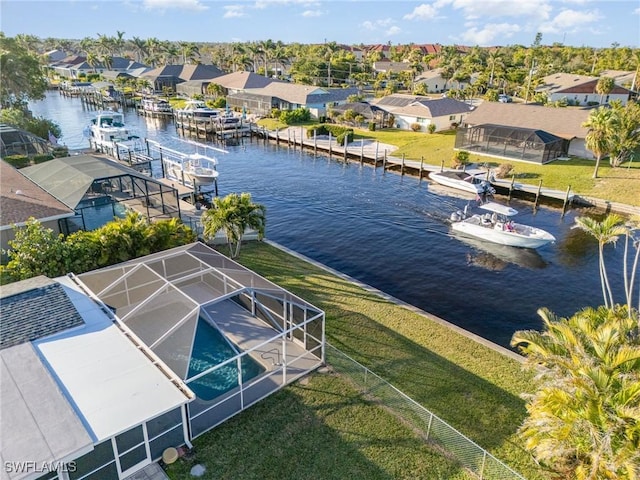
x: 60, y: 151
x: 298, y: 115
x: 18, y: 161
x: 503, y: 170
x: 416, y: 127
x: 459, y: 159
x: 42, y: 158
x: 220, y: 102
x: 431, y: 128
x: 372, y: 126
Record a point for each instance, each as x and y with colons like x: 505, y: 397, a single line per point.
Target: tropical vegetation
x: 234, y: 214
x: 38, y: 250
x: 584, y: 417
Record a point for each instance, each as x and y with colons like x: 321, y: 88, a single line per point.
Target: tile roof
x: 21, y: 199
x: 562, y: 122
x: 33, y: 309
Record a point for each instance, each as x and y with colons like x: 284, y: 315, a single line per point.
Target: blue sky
x: 467, y: 22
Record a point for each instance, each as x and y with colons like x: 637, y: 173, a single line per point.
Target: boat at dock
x: 197, y: 110
x: 107, y: 132
x: 156, y: 105
x: 495, y: 225
x: 473, y: 181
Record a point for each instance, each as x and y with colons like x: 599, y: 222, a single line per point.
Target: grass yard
x: 474, y: 388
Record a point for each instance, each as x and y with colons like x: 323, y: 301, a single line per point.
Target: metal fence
x: 436, y: 431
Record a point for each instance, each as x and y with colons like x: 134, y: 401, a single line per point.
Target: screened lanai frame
x: 162, y: 298
x: 515, y: 143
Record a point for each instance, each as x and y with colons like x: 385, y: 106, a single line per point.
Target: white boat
x: 473, y: 181
x: 156, y: 105
x: 495, y: 225
x: 192, y: 170
x: 198, y: 110
x: 107, y: 129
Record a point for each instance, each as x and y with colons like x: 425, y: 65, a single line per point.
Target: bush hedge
x: 339, y: 132
x: 18, y: 161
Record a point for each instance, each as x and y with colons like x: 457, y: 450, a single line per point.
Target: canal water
x: 391, y: 231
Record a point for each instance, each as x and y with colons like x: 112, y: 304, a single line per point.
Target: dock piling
x: 402, y: 166
x: 566, y: 201
x: 421, y: 164
x: 535, y: 205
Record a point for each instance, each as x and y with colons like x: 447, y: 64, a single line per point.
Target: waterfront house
x: 411, y: 110
x: 21, y: 199
x: 104, y: 371
x: 231, y: 83
x: 289, y: 96
x: 579, y: 90
x: 525, y: 132
x: 170, y: 76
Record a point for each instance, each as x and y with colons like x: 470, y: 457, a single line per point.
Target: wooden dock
x: 380, y: 155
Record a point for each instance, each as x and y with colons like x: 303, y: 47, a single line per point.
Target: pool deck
x: 249, y: 332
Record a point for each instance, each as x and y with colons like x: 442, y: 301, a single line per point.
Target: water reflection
x: 493, y: 256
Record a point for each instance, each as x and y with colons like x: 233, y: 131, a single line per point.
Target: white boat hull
x: 523, y: 236
x: 466, y: 181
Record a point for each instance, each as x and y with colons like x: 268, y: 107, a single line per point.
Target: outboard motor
x: 456, y: 216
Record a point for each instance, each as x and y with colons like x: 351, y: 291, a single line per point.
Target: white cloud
x: 312, y: 13
x: 174, y: 4
x: 234, y: 11
x: 540, y: 9
x: 637, y: 11
x: 487, y: 35
x: 422, y: 12
x: 395, y: 30
x: 261, y: 4
x: 570, y: 21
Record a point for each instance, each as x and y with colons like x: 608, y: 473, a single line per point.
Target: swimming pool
x: 210, y: 348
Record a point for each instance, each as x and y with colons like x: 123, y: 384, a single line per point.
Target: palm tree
x: 604, y: 86
x: 234, y: 214
x: 597, y: 140
x: 606, y: 231
x: 583, y: 419
x: 139, y: 48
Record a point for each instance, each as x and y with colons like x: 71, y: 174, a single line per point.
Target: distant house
x: 436, y: 83
x: 231, y: 83
x: 578, y: 90
x: 170, y: 76
x: 73, y: 66
x: 409, y: 110
x: 54, y: 55
x: 387, y: 66
x: 369, y: 112
x: 288, y: 96
x: 626, y: 79
x: 524, y: 132
x: 21, y: 199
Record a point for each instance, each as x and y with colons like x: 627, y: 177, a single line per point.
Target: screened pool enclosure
x: 99, y: 189
x: 232, y: 336
x: 515, y: 143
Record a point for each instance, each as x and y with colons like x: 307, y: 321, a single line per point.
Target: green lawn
x: 474, y: 388
x: 614, y: 184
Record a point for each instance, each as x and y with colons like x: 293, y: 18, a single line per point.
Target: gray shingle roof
x: 33, y: 309
x: 20, y: 199
x: 562, y: 122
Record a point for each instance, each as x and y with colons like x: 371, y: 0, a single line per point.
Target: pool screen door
x: 132, y: 451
